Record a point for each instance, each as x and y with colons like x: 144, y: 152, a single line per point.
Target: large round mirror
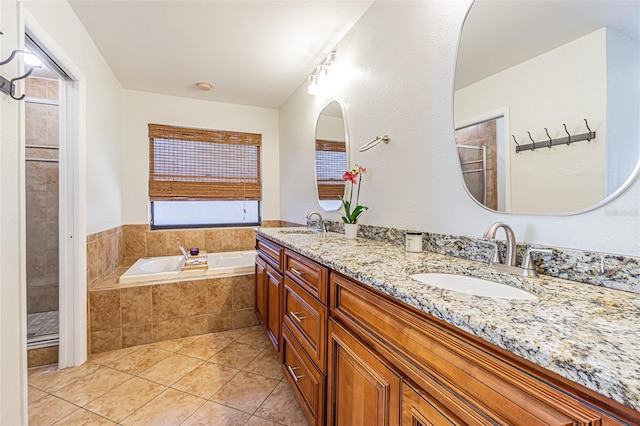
x: 331, y: 155
x: 547, y: 103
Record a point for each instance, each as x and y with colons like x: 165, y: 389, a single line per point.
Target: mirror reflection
x: 331, y: 155
x: 559, y: 82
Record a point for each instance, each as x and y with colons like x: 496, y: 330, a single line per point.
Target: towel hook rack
x: 518, y: 145
x: 8, y: 86
x: 533, y: 143
x: 588, y: 128
x: 550, y: 140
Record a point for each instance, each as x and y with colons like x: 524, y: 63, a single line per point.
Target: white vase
x: 350, y: 230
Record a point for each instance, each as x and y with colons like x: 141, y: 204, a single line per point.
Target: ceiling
x: 253, y: 52
x: 500, y: 34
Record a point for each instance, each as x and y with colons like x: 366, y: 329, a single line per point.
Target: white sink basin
x: 472, y: 285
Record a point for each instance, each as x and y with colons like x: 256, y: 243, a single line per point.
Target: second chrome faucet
x: 508, y: 265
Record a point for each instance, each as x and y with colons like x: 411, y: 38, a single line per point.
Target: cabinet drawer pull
x: 293, y: 374
x: 295, y: 271
x: 296, y: 317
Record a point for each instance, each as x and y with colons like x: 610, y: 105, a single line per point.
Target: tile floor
x: 227, y: 378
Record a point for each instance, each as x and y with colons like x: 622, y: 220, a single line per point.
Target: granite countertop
x: 585, y: 333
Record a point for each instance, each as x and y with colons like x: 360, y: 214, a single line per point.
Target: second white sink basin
x: 472, y: 285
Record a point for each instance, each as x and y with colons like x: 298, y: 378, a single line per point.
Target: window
x: 203, y: 177
x: 331, y: 158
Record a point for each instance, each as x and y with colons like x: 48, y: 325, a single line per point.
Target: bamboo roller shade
x: 197, y: 164
x: 330, y: 165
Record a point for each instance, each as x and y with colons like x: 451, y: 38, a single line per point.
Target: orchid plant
x: 352, y: 213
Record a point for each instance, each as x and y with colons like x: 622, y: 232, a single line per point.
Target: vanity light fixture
x: 205, y: 87
x: 317, y: 77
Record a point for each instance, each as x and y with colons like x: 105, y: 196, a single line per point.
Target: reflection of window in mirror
x: 480, y: 150
x: 331, y: 157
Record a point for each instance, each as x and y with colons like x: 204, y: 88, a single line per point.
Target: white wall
x: 104, y: 97
x: 564, y: 85
x: 401, y: 58
x: 144, y: 108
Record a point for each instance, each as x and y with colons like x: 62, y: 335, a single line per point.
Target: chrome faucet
x: 511, y: 243
x: 527, y: 269
x: 321, y: 221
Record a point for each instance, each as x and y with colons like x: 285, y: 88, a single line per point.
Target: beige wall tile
x: 220, y: 295
x: 244, y: 318
x: 106, y: 340
x: 166, y: 302
x: 244, y: 296
x: 213, y: 240
x: 193, y: 298
x: 105, y: 310
x: 246, y: 239
x: 175, y: 239
x: 219, y: 322
x: 167, y: 330
x: 230, y: 238
x: 194, y: 326
x: 137, y: 335
x: 135, y: 242
x: 156, y: 243
x: 136, y: 305
x: 103, y: 251
x: 42, y: 356
x: 194, y: 238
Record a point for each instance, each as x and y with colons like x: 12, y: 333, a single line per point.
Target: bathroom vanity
x: 362, y: 343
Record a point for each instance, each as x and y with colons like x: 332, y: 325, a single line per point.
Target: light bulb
x: 312, y: 85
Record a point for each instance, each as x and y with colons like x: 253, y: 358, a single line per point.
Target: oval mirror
x: 331, y: 155
x: 547, y: 103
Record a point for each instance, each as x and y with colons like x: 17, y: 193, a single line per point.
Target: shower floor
x: 42, y: 325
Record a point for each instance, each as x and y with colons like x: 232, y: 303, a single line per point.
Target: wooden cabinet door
x: 362, y: 388
x: 419, y: 409
x: 274, y: 306
x: 261, y: 289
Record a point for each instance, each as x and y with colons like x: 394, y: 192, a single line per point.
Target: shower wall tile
x: 42, y: 356
x: 135, y: 242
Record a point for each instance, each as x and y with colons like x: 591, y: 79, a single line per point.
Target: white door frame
x: 72, y: 219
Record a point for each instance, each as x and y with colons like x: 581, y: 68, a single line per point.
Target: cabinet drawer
x: 308, y: 274
x: 270, y: 251
x: 307, y: 321
x: 434, y: 355
x: 307, y: 382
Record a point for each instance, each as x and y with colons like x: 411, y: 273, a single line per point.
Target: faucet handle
x: 495, y: 255
x: 527, y: 262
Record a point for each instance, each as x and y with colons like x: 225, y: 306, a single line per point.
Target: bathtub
x: 169, y: 267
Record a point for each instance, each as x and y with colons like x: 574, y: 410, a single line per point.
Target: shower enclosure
x: 42, y: 130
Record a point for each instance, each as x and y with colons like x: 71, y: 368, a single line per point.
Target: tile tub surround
x: 122, y: 316
x: 585, y: 333
x: 122, y: 246
x: 620, y: 272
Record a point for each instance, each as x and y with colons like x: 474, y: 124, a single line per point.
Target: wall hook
x: 588, y: 128
x: 533, y: 143
x: 13, y: 80
x: 13, y: 55
x: 518, y: 145
x: 550, y: 140
x: 568, y: 134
